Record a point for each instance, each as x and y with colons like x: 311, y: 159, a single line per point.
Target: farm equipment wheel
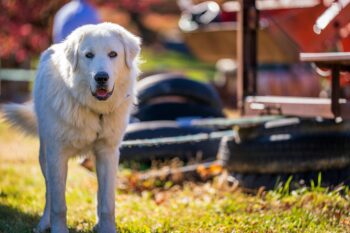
x: 203, y: 150
x: 301, y: 148
x: 168, y: 84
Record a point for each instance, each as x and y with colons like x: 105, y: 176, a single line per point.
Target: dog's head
x: 101, y: 57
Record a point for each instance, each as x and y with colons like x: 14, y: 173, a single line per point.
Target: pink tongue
x: 101, y: 92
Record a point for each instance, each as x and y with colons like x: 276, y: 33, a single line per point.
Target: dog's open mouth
x: 102, y: 93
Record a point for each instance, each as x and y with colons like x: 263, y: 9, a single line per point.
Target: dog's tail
x: 21, y: 116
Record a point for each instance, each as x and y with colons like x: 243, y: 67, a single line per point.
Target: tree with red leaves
x: 25, y: 29
x: 26, y: 25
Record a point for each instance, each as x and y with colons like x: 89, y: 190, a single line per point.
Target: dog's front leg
x: 57, y: 163
x: 106, y: 166
x: 44, y: 223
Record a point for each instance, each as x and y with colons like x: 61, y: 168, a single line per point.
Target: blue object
x: 186, y: 121
x: 71, y: 16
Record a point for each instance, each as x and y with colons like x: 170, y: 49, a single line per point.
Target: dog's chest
x: 112, y: 128
x: 81, y: 137
x: 107, y: 128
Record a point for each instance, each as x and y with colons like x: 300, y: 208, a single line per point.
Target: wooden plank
x: 295, y: 106
x: 271, y: 48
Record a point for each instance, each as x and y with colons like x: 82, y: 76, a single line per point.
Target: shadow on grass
x: 13, y: 220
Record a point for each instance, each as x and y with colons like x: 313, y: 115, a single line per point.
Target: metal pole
x: 248, y: 25
x: 335, y: 93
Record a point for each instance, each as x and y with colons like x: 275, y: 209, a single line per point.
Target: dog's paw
x: 105, y: 228
x: 43, y: 225
x: 59, y: 229
x: 38, y: 230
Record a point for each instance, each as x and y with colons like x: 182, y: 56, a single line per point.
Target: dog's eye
x: 112, y: 54
x: 89, y: 55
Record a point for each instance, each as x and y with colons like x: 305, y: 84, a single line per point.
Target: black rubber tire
x: 329, y: 178
x: 147, y: 130
x: 168, y: 84
x: 308, y: 147
x: 173, y: 111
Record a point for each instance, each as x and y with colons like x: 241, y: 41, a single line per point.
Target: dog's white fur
x: 70, y: 121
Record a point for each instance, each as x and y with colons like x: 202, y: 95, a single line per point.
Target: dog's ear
x: 132, y: 47
x: 131, y: 43
x: 71, y: 46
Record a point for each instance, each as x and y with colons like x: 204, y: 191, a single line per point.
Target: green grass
x: 209, y: 207
x: 176, y: 62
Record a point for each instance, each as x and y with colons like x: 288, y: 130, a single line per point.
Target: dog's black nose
x: 101, y: 77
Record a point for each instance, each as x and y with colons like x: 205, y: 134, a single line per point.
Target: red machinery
x: 285, y: 29
x: 251, y: 103
x: 302, y: 25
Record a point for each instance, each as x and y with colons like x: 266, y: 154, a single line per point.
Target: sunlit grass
x: 210, y: 207
x: 176, y: 62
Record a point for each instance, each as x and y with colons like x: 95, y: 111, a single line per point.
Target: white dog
x: 83, y: 95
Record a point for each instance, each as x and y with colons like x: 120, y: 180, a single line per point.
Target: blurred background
x: 195, y: 38
x: 29, y: 27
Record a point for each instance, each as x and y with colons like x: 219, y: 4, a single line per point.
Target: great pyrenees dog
x: 83, y: 95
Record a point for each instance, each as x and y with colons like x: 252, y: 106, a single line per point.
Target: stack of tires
x: 263, y: 154
x: 165, y: 102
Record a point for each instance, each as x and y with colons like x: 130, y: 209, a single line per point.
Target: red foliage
x: 26, y: 24
x: 25, y: 27
x: 129, y: 5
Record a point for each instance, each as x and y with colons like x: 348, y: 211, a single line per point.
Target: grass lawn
x: 176, y: 62
x: 209, y: 207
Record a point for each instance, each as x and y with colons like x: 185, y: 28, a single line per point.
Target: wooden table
x: 334, y: 107
x: 336, y: 62
x: 252, y: 104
